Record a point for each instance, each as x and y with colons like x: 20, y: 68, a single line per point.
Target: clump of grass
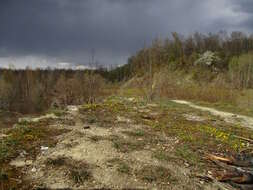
x: 58, y: 112
x: 138, y: 133
x: 59, y: 161
x: 89, y: 107
x: 26, y: 138
x: 161, y: 155
x: 79, y: 175
x: 122, y: 166
x: 77, y: 171
x: 24, y: 122
x: 156, y: 174
x: 187, y: 154
x: 10, y: 178
x: 124, y: 146
x: 3, y: 176
x: 96, y: 138
x: 92, y: 120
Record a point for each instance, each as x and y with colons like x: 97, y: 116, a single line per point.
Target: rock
x: 28, y: 162
x: 191, y: 117
x: 43, y: 148
x: 86, y: 127
x: 23, y: 153
x: 72, y: 108
x: 144, y: 110
x: 3, y: 136
x: 148, y: 117
x: 152, y: 105
x: 33, y: 169
x: 131, y: 99
x: 37, y: 119
x: 123, y: 119
x: 18, y: 162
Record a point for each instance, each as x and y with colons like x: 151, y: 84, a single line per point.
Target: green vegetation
x: 122, y: 166
x: 124, y: 145
x: 137, y: 133
x: 184, y: 152
x: 156, y: 174
x: 26, y: 138
x: 162, y: 155
x: 57, y: 112
x: 59, y: 161
x: 23, y: 138
x: 96, y: 138
x: 79, y: 175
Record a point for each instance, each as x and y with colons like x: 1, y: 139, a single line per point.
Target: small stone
x: 28, y: 162
x: 3, y: 136
x: 33, y: 169
x: 123, y: 119
x: 86, y: 127
x: 23, y: 153
x: 18, y: 162
x: 43, y: 148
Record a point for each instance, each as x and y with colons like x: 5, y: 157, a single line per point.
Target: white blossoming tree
x: 208, y: 58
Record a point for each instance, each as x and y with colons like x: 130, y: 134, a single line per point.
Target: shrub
x: 241, y: 71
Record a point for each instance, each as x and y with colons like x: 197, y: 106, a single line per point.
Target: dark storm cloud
x: 243, y: 5
x: 69, y: 30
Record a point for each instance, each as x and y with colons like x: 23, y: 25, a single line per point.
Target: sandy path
x: 228, y: 117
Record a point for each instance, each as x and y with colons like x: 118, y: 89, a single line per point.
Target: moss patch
x: 124, y: 145
x: 122, y: 166
x: 157, y: 174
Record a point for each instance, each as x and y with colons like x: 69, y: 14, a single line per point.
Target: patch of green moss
x: 161, y: 155
x: 26, y: 138
x: 157, y: 174
x: 57, y: 112
x: 124, y: 145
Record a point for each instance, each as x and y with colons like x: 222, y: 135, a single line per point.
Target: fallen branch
x: 221, y: 159
x: 233, y: 173
x: 232, y: 161
x: 243, y: 138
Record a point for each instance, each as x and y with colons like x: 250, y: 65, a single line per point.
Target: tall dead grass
x: 176, y: 86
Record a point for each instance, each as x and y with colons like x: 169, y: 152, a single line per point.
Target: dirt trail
x: 228, y: 117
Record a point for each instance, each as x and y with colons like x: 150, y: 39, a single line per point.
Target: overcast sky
x: 62, y: 33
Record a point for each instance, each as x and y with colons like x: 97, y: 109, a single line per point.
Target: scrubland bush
x: 180, y: 86
x: 241, y: 71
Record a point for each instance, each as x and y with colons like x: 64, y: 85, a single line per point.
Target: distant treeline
x: 181, y: 52
x: 32, y: 91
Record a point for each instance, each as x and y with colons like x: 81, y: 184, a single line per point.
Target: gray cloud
x: 69, y: 30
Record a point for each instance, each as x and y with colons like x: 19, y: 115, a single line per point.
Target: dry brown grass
x: 178, y: 86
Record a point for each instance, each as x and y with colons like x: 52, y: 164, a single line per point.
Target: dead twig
x: 243, y: 138
x: 221, y: 159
